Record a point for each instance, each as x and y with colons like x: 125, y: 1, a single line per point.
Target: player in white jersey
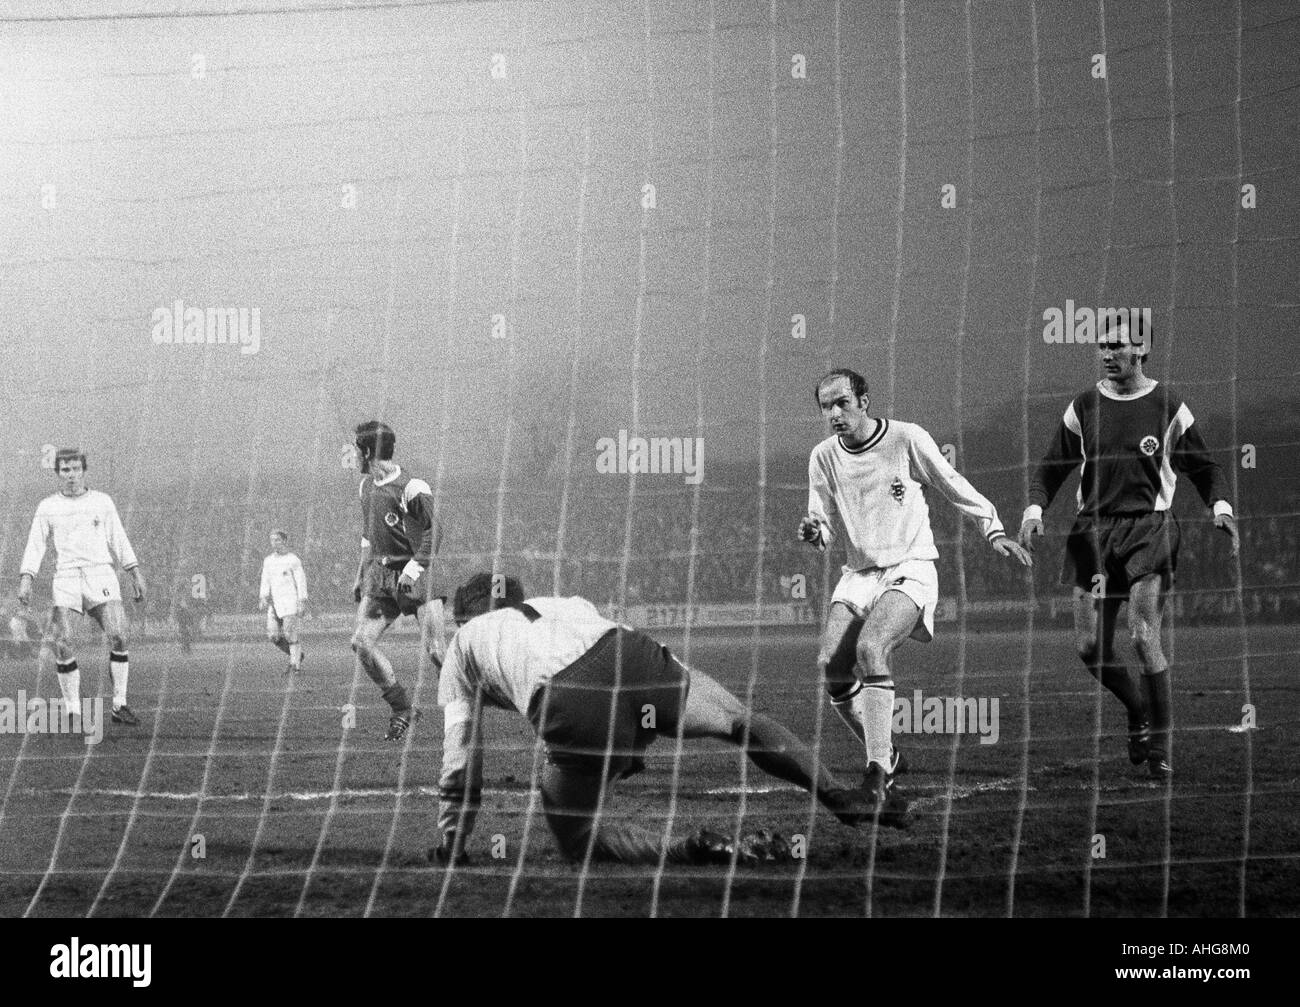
x: 88, y: 538
x: 597, y: 694
x: 284, y: 596
x: 864, y: 483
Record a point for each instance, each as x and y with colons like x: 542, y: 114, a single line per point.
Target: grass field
x: 300, y: 815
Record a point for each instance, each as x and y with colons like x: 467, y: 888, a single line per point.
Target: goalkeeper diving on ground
x: 597, y: 694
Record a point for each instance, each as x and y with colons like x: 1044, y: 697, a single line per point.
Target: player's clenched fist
x: 810, y: 530
x: 1028, y: 529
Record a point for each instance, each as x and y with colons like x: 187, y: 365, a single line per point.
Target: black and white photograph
x: 651, y: 458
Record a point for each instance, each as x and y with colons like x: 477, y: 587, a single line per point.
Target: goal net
x: 589, y: 260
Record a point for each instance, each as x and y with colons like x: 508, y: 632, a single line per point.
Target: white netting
x: 516, y: 230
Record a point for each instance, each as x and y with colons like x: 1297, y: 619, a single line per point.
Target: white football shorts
x: 86, y: 587
x: 916, y: 578
x: 286, y: 624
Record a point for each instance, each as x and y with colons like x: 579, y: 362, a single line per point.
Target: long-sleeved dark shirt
x: 1132, y: 448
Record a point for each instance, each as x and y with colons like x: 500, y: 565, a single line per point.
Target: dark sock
x: 1160, y: 704
x: 395, y: 696
x: 1122, y: 684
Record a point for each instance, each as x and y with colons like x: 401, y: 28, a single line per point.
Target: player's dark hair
x: 1139, y: 328
x: 484, y: 592
x: 856, y: 382
x: 67, y: 455
x: 376, y: 440
x: 281, y: 533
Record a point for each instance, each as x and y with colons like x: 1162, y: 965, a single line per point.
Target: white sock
x: 874, y: 706
x: 295, y: 654
x: 849, y: 713
x: 119, y: 671
x: 70, y: 683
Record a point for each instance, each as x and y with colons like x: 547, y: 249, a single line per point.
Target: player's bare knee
x: 1145, y: 639
x: 117, y: 641
x: 873, y: 658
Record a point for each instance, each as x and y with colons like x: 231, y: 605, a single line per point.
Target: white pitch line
x: 930, y: 793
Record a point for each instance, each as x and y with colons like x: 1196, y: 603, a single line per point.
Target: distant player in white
x: 864, y: 482
x: 88, y: 537
x: 284, y: 596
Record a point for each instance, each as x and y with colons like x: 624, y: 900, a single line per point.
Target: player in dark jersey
x: 399, y: 541
x: 1132, y: 436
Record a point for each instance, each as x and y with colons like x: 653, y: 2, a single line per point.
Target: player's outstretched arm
x: 417, y: 498
x: 929, y: 466
x: 25, y: 589
x: 1063, y: 455
x: 460, y: 783
x: 361, y: 570
x: 34, y: 552
x: 1191, y: 456
x: 815, y: 526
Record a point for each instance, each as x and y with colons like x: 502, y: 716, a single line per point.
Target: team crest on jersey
x: 391, y: 519
x: 897, y: 490
x: 1149, y: 445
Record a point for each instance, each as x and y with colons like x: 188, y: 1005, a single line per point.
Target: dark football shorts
x: 1122, y: 547
x: 382, y: 596
x: 572, y: 712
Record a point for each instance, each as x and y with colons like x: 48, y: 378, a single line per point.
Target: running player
x: 284, y: 596
x: 399, y: 541
x: 88, y: 538
x: 1132, y: 436
x: 597, y: 694
x: 865, y: 481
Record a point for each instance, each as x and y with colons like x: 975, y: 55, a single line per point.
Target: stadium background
x: 381, y: 183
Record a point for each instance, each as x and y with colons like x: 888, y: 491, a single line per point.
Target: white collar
x: 1101, y: 387
x: 397, y: 471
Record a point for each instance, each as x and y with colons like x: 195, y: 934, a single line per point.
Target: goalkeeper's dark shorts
x: 382, y: 597
x: 1123, y: 548
x: 598, y: 715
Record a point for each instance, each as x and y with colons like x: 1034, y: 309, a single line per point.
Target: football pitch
x: 245, y: 793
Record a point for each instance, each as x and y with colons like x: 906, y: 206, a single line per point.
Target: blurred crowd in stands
x: 665, y: 543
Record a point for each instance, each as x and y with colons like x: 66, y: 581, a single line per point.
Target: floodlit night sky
x: 379, y: 184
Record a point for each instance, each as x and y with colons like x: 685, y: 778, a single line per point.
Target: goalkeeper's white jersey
x: 87, y: 532
x: 872, y: 495
x: 284, y: 583
x: 503, y: 657
x: 508, y: 657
